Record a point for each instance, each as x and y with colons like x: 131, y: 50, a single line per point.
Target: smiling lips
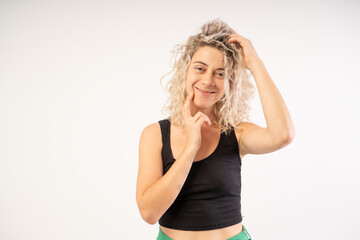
x: 205, y: 92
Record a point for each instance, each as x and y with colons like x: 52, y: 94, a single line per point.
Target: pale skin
x: 199, y: 137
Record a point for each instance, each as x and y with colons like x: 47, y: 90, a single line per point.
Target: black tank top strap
x: 166, y: 150
x: 234, y: 139
x: 164, y: 126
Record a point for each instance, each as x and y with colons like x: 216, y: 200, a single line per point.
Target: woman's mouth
x: 204, y: 92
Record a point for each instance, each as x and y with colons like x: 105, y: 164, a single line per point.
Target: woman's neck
x: 207, y: 111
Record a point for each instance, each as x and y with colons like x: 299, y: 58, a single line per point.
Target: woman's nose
x: 208, y: 79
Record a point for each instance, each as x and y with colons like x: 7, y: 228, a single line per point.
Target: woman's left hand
x: 249, y: 53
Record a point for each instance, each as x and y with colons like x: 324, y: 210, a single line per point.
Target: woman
x: 197, y: 196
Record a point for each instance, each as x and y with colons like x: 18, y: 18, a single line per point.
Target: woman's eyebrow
x: 207, y: 65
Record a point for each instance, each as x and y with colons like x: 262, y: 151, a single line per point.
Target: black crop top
x: 210, y: 197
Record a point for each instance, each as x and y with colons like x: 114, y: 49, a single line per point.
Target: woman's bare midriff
x: 216, y: 234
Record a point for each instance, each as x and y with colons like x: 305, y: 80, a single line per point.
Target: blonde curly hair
x: 233, y: 107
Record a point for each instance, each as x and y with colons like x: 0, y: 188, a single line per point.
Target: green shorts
x: 243, y: 235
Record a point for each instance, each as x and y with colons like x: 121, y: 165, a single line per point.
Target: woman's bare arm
x: 280, y: 130
x: 156, y: 192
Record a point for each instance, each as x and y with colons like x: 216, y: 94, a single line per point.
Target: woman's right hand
x: 193, y: 124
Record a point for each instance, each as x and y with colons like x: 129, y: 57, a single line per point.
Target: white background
x: 79, y: 80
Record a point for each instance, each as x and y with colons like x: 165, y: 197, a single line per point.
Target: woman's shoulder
x: 152, y: 128
x: 248, y: 127
x: 151, y: 134
x: 240, y: 128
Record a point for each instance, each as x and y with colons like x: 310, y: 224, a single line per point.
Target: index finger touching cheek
x: 186, y: 107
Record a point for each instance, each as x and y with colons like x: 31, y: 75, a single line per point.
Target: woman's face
x: 206, y: 73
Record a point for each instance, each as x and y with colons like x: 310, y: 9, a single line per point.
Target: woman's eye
x: 221, y: 74
x: 199, y: 68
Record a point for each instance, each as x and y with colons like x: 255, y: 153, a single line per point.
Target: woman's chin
x: 201, y: 104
